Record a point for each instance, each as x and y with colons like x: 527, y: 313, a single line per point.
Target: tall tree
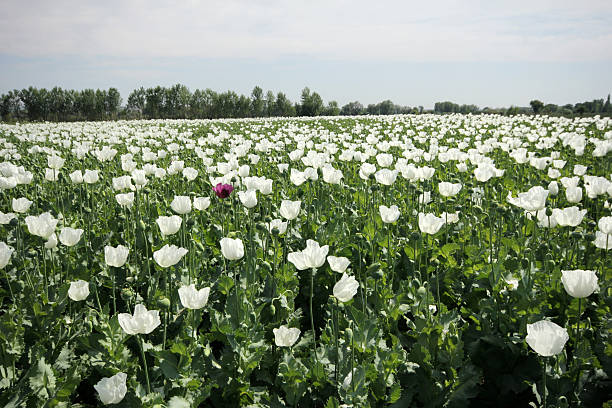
x: 311, y: 103
x: 269, y: 102
x: 136, y: 102
x: 536, y: 105
x: 257, y: 102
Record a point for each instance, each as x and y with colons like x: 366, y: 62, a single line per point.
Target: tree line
x: 594, y: 107
x: 175, y: 102
x: 57, y: 104
x: 178, y: 102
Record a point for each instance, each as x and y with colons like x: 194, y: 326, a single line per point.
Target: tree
x: 536, y: 105
x: 283, y: 106
x: 331, y: 109
x: 86, y: 104
x: 607, y: 108
x: 136, y: 102
x: 257, y: 102
x: 386, y: 108
x: 312, y: 104
x: 270, y: 104
x: 154, y: 102
x: 112, y: 103
x: 352, y: 109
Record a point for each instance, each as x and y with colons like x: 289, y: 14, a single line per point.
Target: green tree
x: 257, y: 103
x: 607, y: 108
x: 112, y: 103
x: 311, y: 103
x: 331, y: 109
x: 536, y: 105
x: 352, y: 109
x: 136, y: 102
x: 283, y: 106
x: 270, y: 104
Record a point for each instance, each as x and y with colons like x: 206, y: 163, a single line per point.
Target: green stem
x: 544, y: 381
x: 144, y: 362
x: 114, y: 294
x: 337, y: 346
x: 314, y: 334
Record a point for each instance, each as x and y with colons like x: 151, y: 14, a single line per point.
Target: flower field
x: 422, y: 261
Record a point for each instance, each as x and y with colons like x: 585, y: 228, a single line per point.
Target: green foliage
x: 438, y: 320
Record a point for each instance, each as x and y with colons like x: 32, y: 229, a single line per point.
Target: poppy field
x: 403, y: 261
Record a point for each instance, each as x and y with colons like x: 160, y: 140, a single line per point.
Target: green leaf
x: 225, y: 284
x: 43, y: 379
x: 395, y: 394
x: 332, y: 402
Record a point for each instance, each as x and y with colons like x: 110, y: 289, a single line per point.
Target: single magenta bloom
x: 223, y: 190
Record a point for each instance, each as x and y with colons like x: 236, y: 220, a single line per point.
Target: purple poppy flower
x: 223, y: 190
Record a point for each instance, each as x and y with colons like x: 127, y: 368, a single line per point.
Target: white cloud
x: 357, y: 30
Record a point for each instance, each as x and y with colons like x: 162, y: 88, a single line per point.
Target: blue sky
x: 484, y: 52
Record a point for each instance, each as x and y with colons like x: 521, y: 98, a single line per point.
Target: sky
x: 489, y: 53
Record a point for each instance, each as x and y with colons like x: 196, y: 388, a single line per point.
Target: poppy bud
x: 272, y: 309
x: 373, y: 268
x: 20, y: 285
x: 349, y: 333
x: 549, y: 212
x: 163, y: 302
x: 13, y: 222
x: 127, y: 293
